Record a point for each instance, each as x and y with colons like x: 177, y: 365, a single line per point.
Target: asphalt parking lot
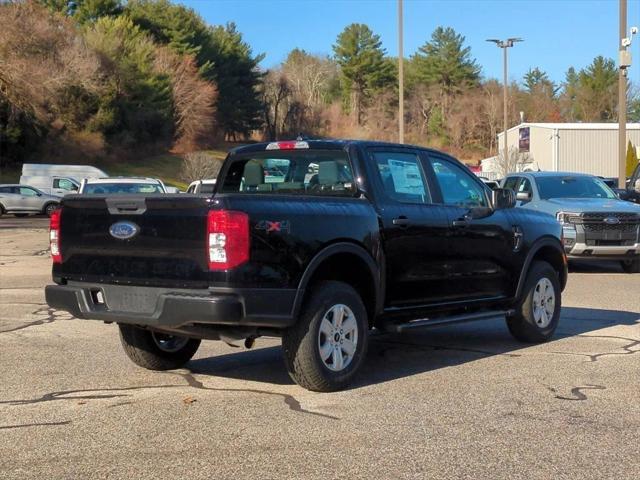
x: 454, y: 402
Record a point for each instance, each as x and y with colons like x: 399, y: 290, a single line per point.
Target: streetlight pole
x: 622, y: 100
x: 400, y: 77
x: 504, y: 44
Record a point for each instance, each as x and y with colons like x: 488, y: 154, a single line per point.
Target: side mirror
x: 622, y: 194
x: 502, y: 198
x: 39, y: 194
x: 523, y: 196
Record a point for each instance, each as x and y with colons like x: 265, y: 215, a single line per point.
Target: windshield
x: 573, y: 187
x: 121, y: 188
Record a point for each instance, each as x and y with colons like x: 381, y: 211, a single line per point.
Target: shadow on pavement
x: 595, y: 266
x: 394, y: 356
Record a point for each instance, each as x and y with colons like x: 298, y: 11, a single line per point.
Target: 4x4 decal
x: 273, y: 226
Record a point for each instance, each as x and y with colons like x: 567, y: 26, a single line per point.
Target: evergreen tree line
x: 108, y: 77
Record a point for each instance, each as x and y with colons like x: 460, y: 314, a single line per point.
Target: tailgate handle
x: 126, y: 207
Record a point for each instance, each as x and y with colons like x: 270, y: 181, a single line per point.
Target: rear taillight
x: 227, y: 239
x: 54, y: 236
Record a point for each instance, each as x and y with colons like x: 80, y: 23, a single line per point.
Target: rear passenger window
x: 298, y: 172
x: 402, y: 177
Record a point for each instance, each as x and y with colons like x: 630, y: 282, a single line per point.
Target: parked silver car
x: 22, y: 200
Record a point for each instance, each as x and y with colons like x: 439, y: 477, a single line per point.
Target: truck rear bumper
x: 174, y: 308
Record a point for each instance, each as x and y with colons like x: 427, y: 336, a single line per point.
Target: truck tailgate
x: 167, y: 250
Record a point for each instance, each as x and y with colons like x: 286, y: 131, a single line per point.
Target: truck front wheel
x: 155, y: 350
x: 538, y: 312
x: 325, y: 348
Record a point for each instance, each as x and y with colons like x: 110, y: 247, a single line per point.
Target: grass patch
x: 165, y: 167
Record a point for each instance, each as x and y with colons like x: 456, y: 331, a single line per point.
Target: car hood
x: 579, y: 205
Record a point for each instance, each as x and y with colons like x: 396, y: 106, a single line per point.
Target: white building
x: 565, y: 147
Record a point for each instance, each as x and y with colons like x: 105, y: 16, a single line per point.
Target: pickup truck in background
x: 632, y: 191
x: 351, y: 236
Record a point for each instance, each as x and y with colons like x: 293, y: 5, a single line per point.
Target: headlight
x: 568, y: 228
x: 565, y: 218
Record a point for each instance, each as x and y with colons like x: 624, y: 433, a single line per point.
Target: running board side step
x: 436, y: 322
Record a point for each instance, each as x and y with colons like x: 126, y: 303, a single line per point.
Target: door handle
x: 402, y: 221
x: 463, y: 222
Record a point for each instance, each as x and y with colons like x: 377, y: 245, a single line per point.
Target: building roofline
x: 574, y: 126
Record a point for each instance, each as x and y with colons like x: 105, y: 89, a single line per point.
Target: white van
x: 57, y: 179
x: 58, y: 186
x: 54, y: 170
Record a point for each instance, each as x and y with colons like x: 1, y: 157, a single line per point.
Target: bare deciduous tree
x: 194, y: 100
x: 512, y: 162
x: 199, y: 165
x: 40, y: 55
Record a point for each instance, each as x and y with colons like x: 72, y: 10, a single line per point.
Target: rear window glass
x: 302, y: 172
x: 121, y: 188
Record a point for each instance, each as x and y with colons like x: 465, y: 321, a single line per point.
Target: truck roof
x: 325, y: 144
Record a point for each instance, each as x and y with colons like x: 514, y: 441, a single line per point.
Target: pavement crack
x: 289, y: 400
x: 594, y: 357
x: 109, y: 393
x: 577, y: 392
x: 50, y: 315
x: 44, y: 424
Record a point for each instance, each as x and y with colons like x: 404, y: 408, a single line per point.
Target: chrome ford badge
x: 124, y: 230
x: 612, y: 220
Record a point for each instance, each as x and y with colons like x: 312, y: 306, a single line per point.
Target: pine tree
x: 359, y: 53
x: 445, y: 61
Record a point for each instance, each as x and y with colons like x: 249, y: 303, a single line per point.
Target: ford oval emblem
x: 124, y: 230
x: 612, y: 220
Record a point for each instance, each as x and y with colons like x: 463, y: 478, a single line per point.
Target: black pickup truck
x: 316, y: 242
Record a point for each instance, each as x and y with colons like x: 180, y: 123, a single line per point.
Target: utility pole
x: 400, y: 77
x: 622, y: 99
x: 504, y: 44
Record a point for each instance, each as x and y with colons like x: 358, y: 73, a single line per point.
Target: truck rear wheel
x: 538, y: 312
x: 325, y: 348
x: 156, y: 351
x: 631, y: 265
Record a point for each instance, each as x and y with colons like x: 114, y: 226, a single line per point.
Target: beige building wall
x: 581, y: 149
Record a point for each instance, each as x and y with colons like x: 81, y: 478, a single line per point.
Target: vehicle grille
x: 598, y: 217
x: 599, y: 230
x: 604, y: 227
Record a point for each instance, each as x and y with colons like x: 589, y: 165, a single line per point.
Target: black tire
x: 20, y: 215
x: 142, y: 347
x: 631, y: 265
x: 49, y: 208
x: 524, y: 325
x: 301, y: 343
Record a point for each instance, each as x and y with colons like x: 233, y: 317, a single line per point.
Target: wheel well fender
x: 551, y: 251
x: 44, y: 207
x: 350, y: 263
